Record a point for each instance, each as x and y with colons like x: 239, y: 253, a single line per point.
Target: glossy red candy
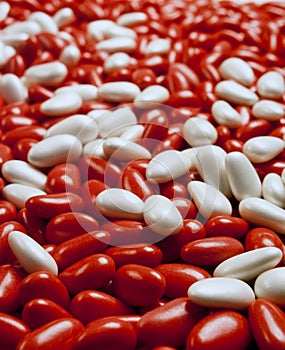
x: 169, y: 324
x: 143, y: 77
x: 110, y: 333
x: 133, y: 181
x: 90, y: 305
x: 224, y: 225
x: 22, y: 148
x: 34, y: 225
x: 12, y: 331
x: 255, y: 127
x: 186, y: 207
x: 5, y: 154
x: 41, y: 311
x: 267, y: 324
x: 63, y: 177
x: 220, y: 330
x: 179, y: 278
x: 39, y: 93
x: 260, y: 237
x: 11, y: 122
x: 21, y: 132
x: 8, y: 211
x: 60, y: 334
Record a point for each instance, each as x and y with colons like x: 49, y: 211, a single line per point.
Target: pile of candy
x: 142, y: 175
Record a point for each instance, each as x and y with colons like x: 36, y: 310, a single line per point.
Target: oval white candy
x: 161, y: 215
x: 49, y: 74
x: 87, y: 92
x: 199, y: 132
x: 151, y: 94
x: 158, y: 47
x: 270, y: 285
x: 116, y: 31
x: 190, y: 155
x: 79, y: 125
x: 210, y: 163
x: 133, y: 132
x: 31, y: 255
x: 237, y: 69
x: 54, y: 150
x: 273, y: 189
x: 46, y: 22
x: 13, y: 40
x: 95, y: 148
x: 61, y: 104
x: 225, y: 114
x: 97, y: 29
x: 18, y: 194
x: 70, y: 56
x: 28, y: 27
x: 267, y: 109
x: 124, y: 150
x: 283, y: 176
x: 243, y: 178
x: 221, y: 292
x: 116, y: 61
x: 271, y: 85
x: 261, y: 149
x: 4, y: 10
x: 132, y: 19
x: 166, y: 166
x: 120, y: 43
x: 12, y: 89
x: 249, y: 265
x: 18, y: 171
x: 263, y: 213
x: 236, y: 93
x: 209, y: 201
x: 120, y: 204
x: 118, y: 91
x: 63, y: 17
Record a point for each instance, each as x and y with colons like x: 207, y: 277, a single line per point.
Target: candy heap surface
x: 142, y: 175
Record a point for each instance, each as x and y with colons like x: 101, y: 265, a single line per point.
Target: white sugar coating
x: 4, y: 10
x: 133, y: 132
x: 87, y: 92
x: 283, y: 176
x: 248, y: 265
x: 261, y: 149
x: 94, y: 148
x: 237, y: 69
x: 132, y: 19
x: 18, y: 194
x: 97, y: 29
x: 116, y: 61
x: 273, y: 189
x: 118, y: 91
x: 225, y: 114
x: 119, y: 203
x: 12, y: 89
x: 116, y: 44
x: 116, y: 31
x: 13, y: 40
x: 48, y: 74
x: 158, y: 47
x: 61, y: 104
x: 70, y: 56
x: 151, y: 95
x: 199, y: 132
x: 31, y: 255
x: 221, y: 292
x: 162, y: 216
x: 271, y: 85
x: 64, y: 16
x: 27, y: 27
x: 45, y: 21
x: 268, y: 109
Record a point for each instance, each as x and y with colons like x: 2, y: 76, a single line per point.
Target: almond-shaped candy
x: 161, y: 215
x: 87, y: 92
x: 283, y: 176
x: 151, y: 95
x: 166, y: 166
x: 225, y: 114
x: 70, y: 56
x: 97, y: 29
x: 236, y: 93
x: 116, y: 61
x: 118, y: 91
x: 28, y: 27
x: 132, y: 19
x: 273, y: 189
x: 158, y: 46
x: 271, y: 85
x: 209, y: 201
x: 12, y: 89
x: 45, y: 21
x: 117, y: 31
x: 133, y: 132
x: 260, y: 212
x: 267, y: 109
x: 61, y: 104
x: 116, y: 44
x: 23, y: 173
x: 261, y: 149
x: 94, y: 148
x: 221, y: 292
x: 243, y: 178
x: 30, y: 254
x: 119, y: 203
x: 54, y: 150
x: 246, y: 266
x: 18, y: 194
x: 4, y: 10
x: 237, y: 69
x: 199, y: 132
x: 63, y: 17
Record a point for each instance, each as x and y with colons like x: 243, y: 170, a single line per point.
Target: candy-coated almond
x: 209, y: 201
x: 273, y: 189
x: 151, y: 95
x: 271, y: 85
x: 70, y: 56
x: 118, y: 91
x: 198, y: 132
x: 18, y: 194
x: 267, y: 109
x: 237, y: 69
x: 63, y: 177
x: 225, y: 225
x: 87, y: 92
x: 4, y: 10
x: 54, y: 150
x: 260, y: 237
x: 117, y: 44
x: 246, y: 266
x: 61, y: 104
x: 225, y: 114
x: 117, y: 31
x: 157, y: 47
x: 116, y: 61
x: 12, y: 89
x: 94, y: 148
x: 263, y: 213
x: 133, y: 132
x: 124, y: 150
x: 46, y: 22
x: 132, y: 19
x: 63, y: 16
x: 49, y: 74
x: 236, y: 93
x: 28, y: 27
x: 222, y: 292
x: 97, y: 29
x: 261, y: 149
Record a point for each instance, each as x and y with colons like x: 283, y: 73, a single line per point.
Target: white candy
x: 54, y: 150
x: 118, y: 91
x: 261, y: 149
x: 120, y: 43
x: 70, y: 56
x: 270, y: 285
x: 161, y: 215
x: 4, y: 10
x: 133, y: 132
x: 98, y: 114
x: 238, y: 70
x: 263, y: 213
x: 12, y: 89
x: 199, y: 132
x: 27, y: 27
x: 271, y: 85
x: 249, y: 265
x: 243, y: 178
x: 97, y: 29
x: 225, y: 114
x: 6, y: 52
x: 46, y: 22
x: 116, y: 61
x: 124, y: 150
x: 166, y: 166
x: 48, y: 74
x: 87, y: 92
x: 158, y: 47
x: 190, y: 154
x: 236, y: 93
x: 268, y: 109
x: 132, y: 19
x: 273, y: 189
x: 18, y: 194
x: 61, y: 104
x: 209, y: 201
x: 63, y: 17
x: 151, y: 95
x: 94, y: 148
x: 221, y: 292
x: 210, y: 163
x: 116, y: 31
x: 119, y: 203
x: 14, y: 39
x: 283, y: 176
x: 23, y: 173
x: 79, y: 125
x: 31, y: 255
